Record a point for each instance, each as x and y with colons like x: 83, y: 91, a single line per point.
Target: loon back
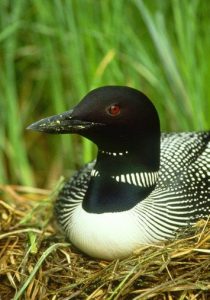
x: 142, y: 187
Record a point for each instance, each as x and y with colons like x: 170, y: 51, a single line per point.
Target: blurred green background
x: 53, y: 52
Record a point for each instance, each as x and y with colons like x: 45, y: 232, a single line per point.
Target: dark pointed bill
x: 62, y: 123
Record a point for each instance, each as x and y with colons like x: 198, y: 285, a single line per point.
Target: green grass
x: 53, y: 52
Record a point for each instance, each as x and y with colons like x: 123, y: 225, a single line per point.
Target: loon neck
x: 141, y: 154
x: 121, y: 179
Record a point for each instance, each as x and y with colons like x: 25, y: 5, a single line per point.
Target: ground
x: 37, y: 263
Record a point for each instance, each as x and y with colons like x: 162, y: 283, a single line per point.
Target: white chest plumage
x: 107, y: 235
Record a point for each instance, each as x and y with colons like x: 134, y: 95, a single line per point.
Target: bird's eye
x: 113, y: 110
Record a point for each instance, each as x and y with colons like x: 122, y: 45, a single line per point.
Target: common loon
x: 143, y: 185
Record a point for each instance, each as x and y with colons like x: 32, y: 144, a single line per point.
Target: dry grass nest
x: 37, y: 263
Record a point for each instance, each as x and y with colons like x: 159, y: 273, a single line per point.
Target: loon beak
x: 62, y: 123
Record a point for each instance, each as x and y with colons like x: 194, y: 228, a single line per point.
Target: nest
x: 37, y: 263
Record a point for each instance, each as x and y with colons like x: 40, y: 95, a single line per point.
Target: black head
x: 113, y: 117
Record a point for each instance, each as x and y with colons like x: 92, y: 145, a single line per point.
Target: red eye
x: 113, y: 110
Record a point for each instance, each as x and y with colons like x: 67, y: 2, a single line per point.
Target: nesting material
x: 37, y: 263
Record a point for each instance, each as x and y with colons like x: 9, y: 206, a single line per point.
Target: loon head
x: 124, y: 124
x: 115, y: 118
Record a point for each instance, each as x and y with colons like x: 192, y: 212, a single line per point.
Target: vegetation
x: 53, y: 52
x: 37, y: 263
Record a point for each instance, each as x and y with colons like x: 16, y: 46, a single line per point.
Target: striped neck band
x: 142, y: 179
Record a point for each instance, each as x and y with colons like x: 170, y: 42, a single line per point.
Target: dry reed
x: 37, y: 263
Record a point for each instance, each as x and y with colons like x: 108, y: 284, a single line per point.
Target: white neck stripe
x: 94, y: 173
x: 143, y: 179
x: 113, y: 153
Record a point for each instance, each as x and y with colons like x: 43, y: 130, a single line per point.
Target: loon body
x: 142, y: 187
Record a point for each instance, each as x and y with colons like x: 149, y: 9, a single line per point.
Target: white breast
x: 107, y: 235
